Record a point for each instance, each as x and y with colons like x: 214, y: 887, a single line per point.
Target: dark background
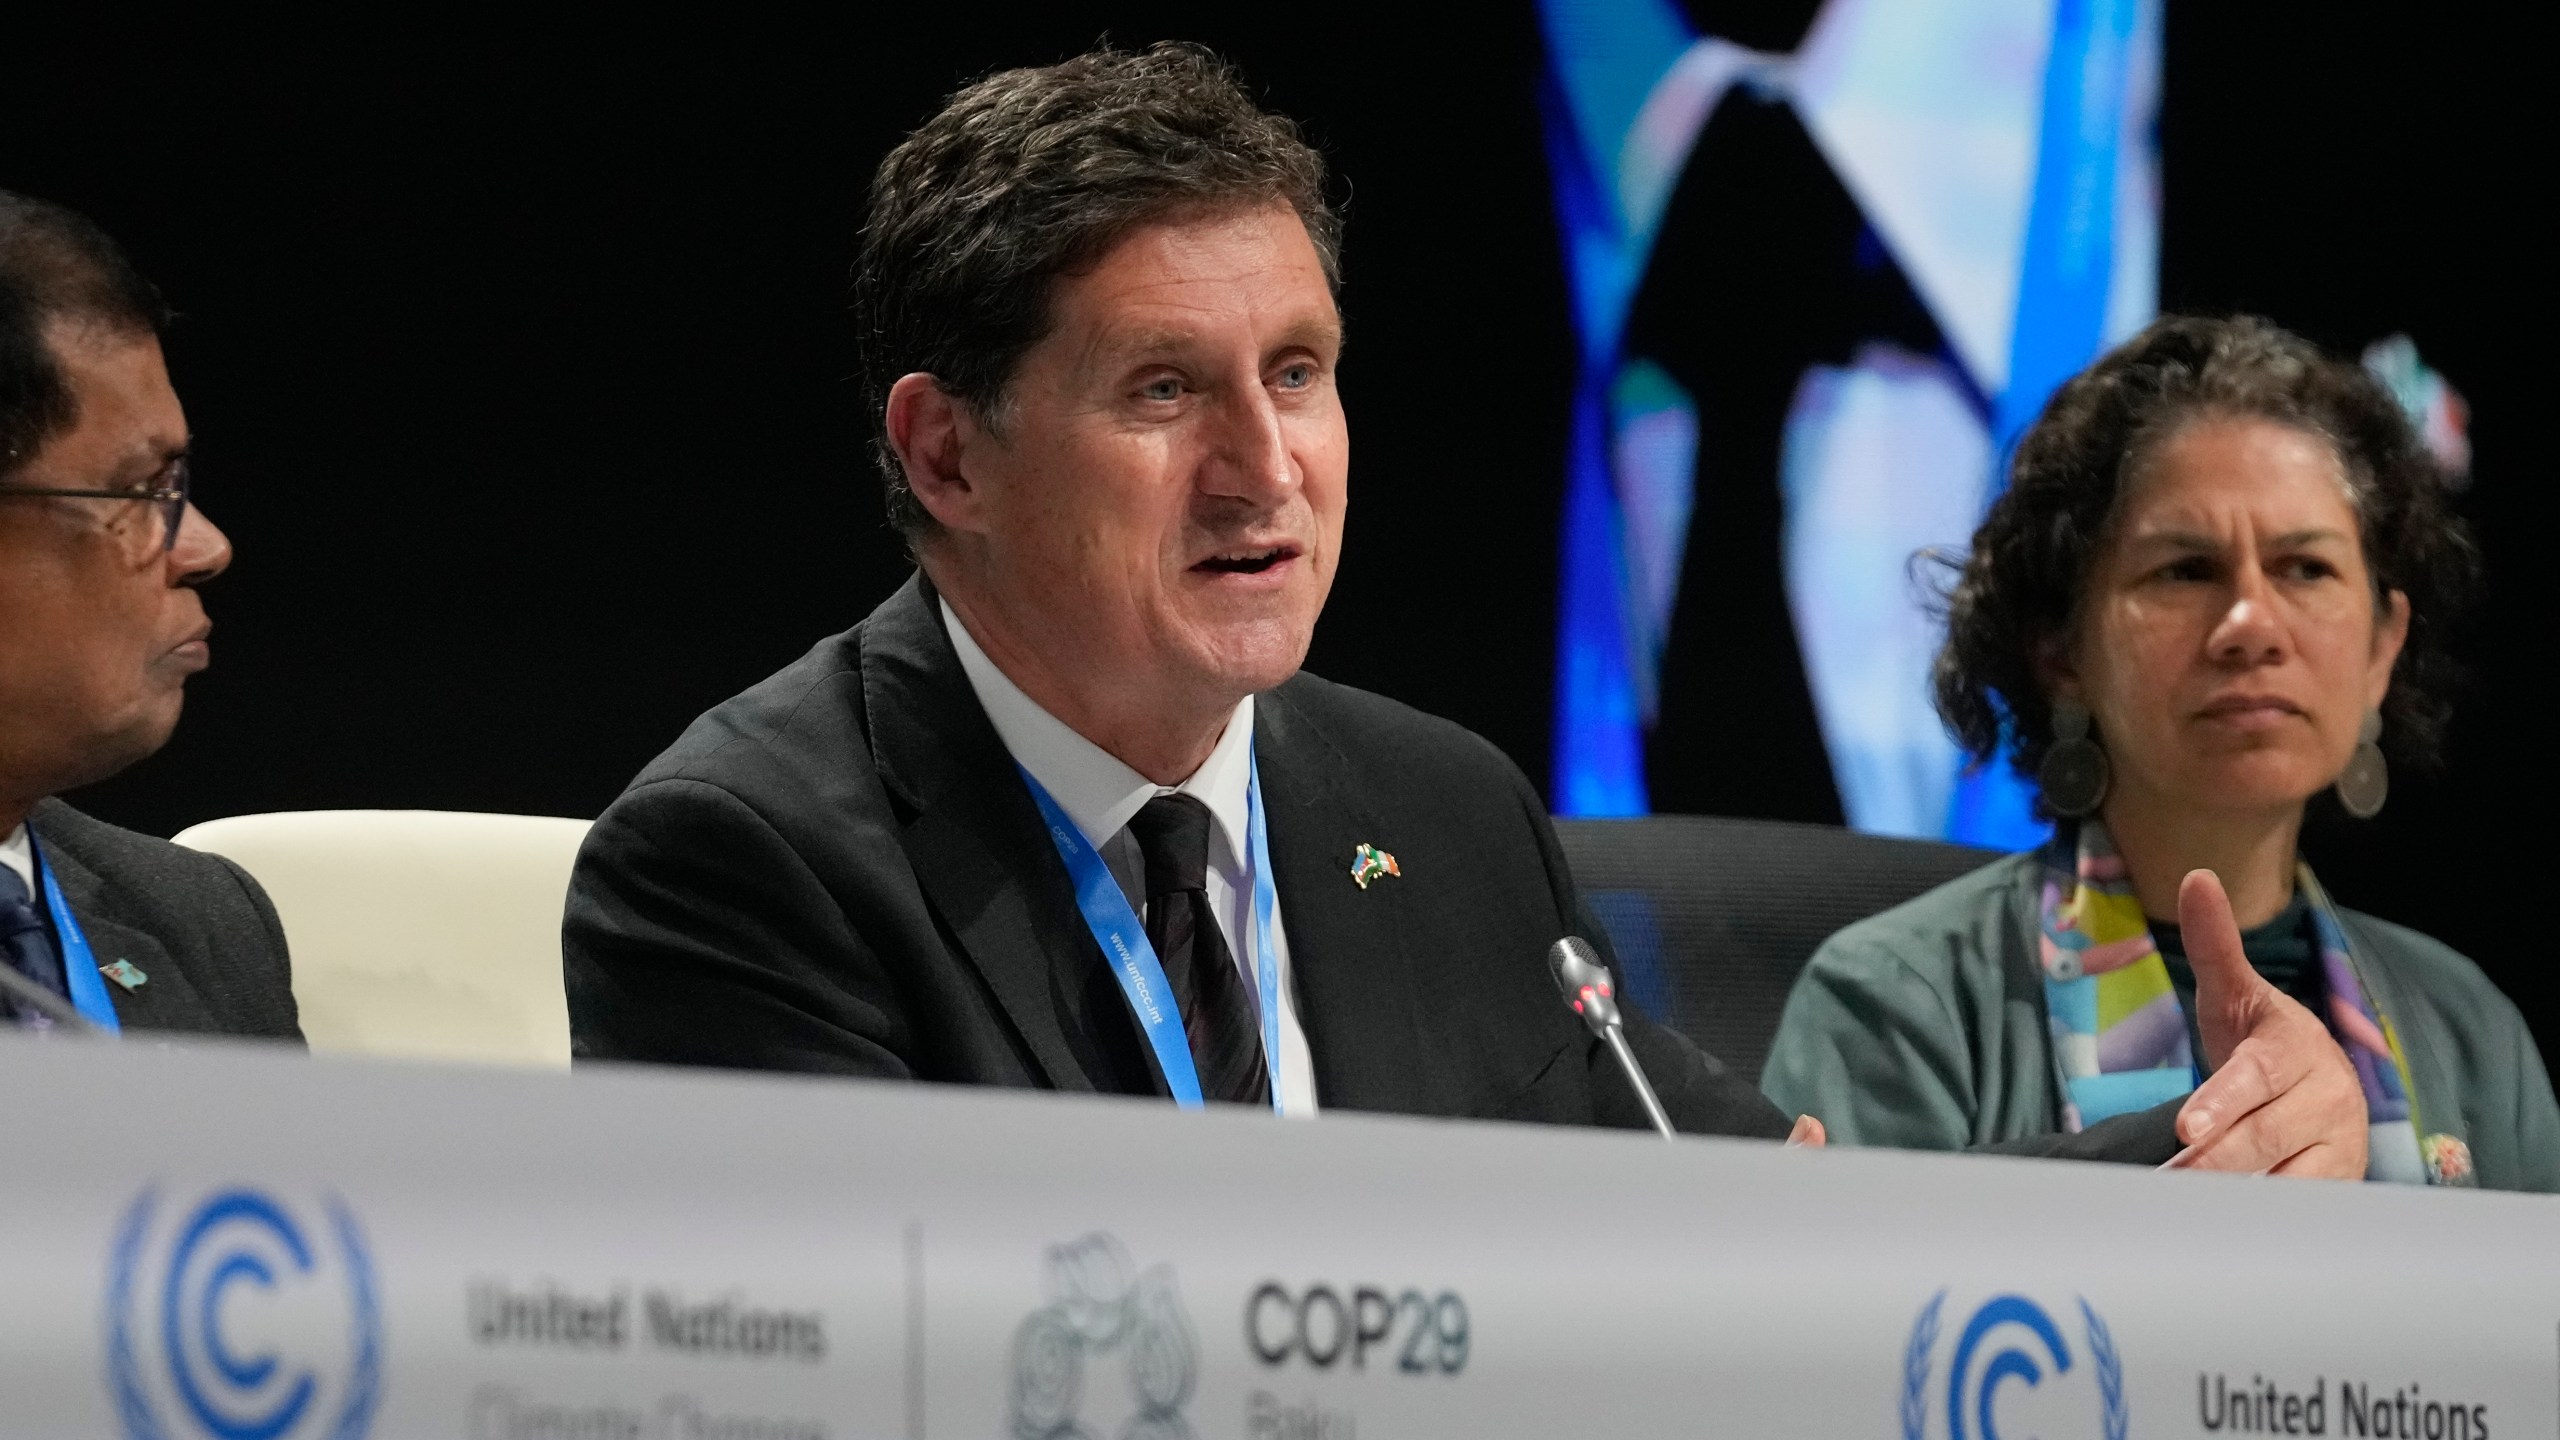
x: 517, y: 359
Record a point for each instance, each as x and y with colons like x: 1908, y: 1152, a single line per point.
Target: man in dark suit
x: 100, y: 626
x: 1097, y: 307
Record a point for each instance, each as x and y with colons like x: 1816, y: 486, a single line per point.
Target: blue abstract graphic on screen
x: 2001, y: 160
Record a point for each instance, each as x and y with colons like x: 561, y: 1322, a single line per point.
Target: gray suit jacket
x: 195, y: 925
x: 840, y: 870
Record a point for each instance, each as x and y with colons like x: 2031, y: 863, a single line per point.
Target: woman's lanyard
x: 1123, y: 939
x: 79, y: 966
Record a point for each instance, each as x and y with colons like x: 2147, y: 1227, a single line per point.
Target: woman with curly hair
x: 2216, y: 590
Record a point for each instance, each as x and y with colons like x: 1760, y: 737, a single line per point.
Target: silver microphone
x: 1588, y: 989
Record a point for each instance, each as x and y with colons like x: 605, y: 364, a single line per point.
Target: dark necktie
x: 24, y: 942
x: 1217, y: 1016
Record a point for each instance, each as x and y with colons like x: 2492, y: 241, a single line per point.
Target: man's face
x: 1160, y: 503
x: 100, y: 625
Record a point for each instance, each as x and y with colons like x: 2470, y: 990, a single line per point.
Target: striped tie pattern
x: 1218, y: 1016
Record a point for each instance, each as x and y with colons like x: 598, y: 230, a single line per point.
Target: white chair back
x: 429, y: 933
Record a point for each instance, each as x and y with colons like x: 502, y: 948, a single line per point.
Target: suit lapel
x: 976, y: 843
x: 1349, y: 947
x: 164, y: 1001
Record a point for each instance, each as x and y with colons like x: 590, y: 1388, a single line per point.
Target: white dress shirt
x: 1102, y: 795
x: 19, y: 854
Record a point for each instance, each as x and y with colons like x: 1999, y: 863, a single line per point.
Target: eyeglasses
x: 171, y: 499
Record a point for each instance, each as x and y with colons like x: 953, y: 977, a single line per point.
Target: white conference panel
x: 228, y: 1242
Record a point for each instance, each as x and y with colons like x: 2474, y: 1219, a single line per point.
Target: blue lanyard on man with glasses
x: 79, y: 964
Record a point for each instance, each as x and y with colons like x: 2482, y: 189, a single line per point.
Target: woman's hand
x: 2281, y: 1099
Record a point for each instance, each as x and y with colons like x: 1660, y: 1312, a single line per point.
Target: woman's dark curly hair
x: 2020, y: 589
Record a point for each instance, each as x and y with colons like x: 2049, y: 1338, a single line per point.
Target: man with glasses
x: 100, y: 626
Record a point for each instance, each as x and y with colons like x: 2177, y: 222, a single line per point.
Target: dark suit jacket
x: 195, y: 925
x: 841, y: 870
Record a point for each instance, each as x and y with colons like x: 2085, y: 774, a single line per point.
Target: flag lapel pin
x: 1368, y: 862
x: 124, y: 973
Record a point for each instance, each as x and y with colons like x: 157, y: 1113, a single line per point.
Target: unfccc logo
x: 242, y: 1318
x: 2010, y: 1343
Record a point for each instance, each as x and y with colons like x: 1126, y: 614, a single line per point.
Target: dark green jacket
x: 1923, y: 1028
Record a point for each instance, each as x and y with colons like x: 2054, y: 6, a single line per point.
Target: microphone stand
x: 28, y: 995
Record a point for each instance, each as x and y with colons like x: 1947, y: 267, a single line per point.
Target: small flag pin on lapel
x: 124, y: 973
x: 1368, y: 862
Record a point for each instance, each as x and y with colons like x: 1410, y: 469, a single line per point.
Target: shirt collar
x: 1099, y: 792
x: 19, y: 855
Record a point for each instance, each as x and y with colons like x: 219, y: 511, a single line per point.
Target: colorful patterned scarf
x: 2120, y: 1036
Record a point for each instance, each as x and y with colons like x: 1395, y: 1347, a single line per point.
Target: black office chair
x: 1713, y: 918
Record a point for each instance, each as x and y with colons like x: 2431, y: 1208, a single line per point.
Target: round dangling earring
x: 2366, y: 782
x: 2074, y: 774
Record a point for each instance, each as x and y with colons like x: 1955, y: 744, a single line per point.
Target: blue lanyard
x: 1134, y: 964
x: 79, y: 966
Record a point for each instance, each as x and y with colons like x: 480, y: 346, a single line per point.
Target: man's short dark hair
x: 2023, y: 584
x: 1026, y: 175
x: 54, y: 266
